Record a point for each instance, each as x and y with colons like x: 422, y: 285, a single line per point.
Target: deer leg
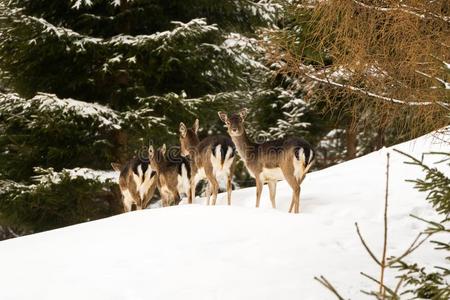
x: 295, y: 185
x: 297, y: 204
x: 136, y: 202
x: 176, y: 198
x: 214, y: 186
x: 126, y: 200
x: 259, y: 186
x: 208, y: 192
x: 165, y: 198
x: 229, y: 188
x: 230, y: 177
x: 272, y: 190
x: 191, y: 191
x: 150, y: 193
x: 291, y: 207
x: 126, y: 205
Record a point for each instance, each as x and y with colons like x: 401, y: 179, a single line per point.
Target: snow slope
x: 237, y: 252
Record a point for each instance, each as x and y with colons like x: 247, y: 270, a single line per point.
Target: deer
x: 211, y: 158
x: 287, y: 158
x: 174, y: 175
x: 137, y: 182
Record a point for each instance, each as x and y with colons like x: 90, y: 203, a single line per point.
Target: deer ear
x: 196, y: 125
x: 223, y: 116
x: 116, y: 166
x: 183, y: 129
x: 243, y: 113
x: 163, y: 149
x: 151, y: 152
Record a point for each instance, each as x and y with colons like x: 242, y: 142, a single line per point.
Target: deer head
x: 156, y: 156
x: 235, y: 123
x: 188, y: 138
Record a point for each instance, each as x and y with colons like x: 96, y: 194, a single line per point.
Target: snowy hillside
x: 237, y: 252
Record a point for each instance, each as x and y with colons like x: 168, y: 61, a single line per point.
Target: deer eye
x: 228, y: 122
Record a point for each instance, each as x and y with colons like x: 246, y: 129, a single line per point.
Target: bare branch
x: 373, y: 95
x: 391, y: 292
x: 365, y: 246
x: 329, y: 286
x: 443, y: 82
x: 406, y: 9
x: 414, y: 245
x: 399, y: 284
x: 383, y: 259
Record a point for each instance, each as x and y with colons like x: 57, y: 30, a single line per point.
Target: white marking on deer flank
x: 220, y: 169
x: 183, y: 180
x: 200, y: 175
x: 127, y: 199
x: 299, y: 168
x: 271, y: 174
x: 145, y: 186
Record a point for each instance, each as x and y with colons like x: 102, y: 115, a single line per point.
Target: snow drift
x: 237, y: 252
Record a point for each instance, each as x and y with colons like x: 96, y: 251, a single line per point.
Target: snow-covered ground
x: 237, y: 252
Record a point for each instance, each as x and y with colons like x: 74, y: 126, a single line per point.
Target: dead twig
x: 383, y: 259
x: 365, y: 245
x: 329, y: 286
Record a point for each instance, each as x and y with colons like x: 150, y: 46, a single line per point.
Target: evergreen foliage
x: 50, y: 132
x: 90, y: 82
x: 420, y: 282
x: 57, y: 199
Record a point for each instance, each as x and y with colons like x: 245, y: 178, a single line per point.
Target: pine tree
x: 420, y: 282
x: 89, y: 82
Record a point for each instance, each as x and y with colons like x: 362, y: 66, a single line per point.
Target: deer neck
x: 244, y: 145
x: 193, y: 145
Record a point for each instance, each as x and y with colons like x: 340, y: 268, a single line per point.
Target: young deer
x: 288, y: 158
x: 210, y: 158
x: 174, y: 175
x: 137, y: 182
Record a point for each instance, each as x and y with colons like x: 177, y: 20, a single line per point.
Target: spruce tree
x: 89, y: 82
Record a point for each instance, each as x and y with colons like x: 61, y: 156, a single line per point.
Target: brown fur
x: 263, y: 160
x: 201, y: 154
x: 131, y: 180
x: 169, y: 170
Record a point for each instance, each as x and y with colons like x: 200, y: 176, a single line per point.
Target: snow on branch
x: 77, y: 4
x: 194, y: 28
x: 374, y: 95
x: 440, y: 80
x: 401, y: 7
x: 43, y: 102
x: 266, y: 10
x: 406, y: 9
x: 244, y: 50
x: 49, y: 176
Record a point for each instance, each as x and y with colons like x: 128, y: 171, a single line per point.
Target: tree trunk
x: 351, y: 142
x: 380, y: 142
x: 121, y: 141
x: 126, y: 24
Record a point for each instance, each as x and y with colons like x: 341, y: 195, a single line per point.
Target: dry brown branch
x: 365, y: 245
x: 414, y: 245
x: 383, y: 258
x: 406, y: 9
x: 399, y: 284
x: 387, y: 289
x: 329, y: 286
x: 380, y: 63
x: 371, y: 94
